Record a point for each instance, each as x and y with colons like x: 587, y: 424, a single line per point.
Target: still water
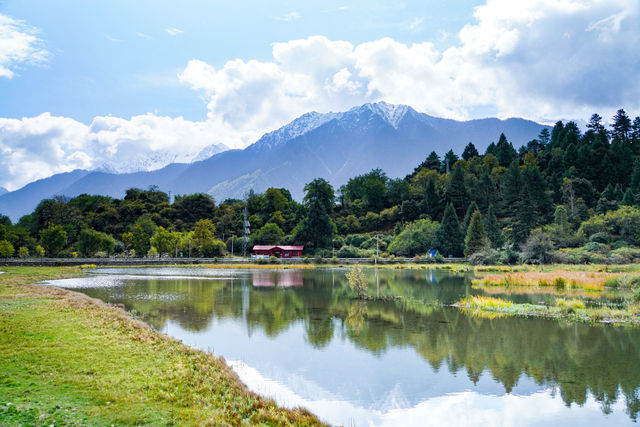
x: 299, y: 336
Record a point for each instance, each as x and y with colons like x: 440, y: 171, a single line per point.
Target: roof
x: 270, y: 247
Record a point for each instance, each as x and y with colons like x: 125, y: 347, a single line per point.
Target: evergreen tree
x: 473, y: 207
x: 561, y: 219
x: 621, y: 126
x: 449, y: 236
x: 607, y: 201
x: 629, y: 199
x: 635, y: 176
x: 449, y: 160
x: 493, y: 229
x: 456, y: 192
x: 544, y: 137
x: 618, y: 194
x: 318, y: 227
x: 433, y: 161
x: 432, y: 204
x: 476, y: 238
x: 470, y: 151
x: 504, y: 151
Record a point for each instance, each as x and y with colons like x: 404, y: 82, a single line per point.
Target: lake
x: 300, y: 337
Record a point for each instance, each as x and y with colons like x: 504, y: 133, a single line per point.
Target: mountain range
x: 335, y: 146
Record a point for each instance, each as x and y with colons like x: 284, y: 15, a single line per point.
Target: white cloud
x: 112, y: 39
x: 416, y: 24
x: 144, y: 36
x: 173, y: 31
x: 287, y: 17
x: 539, y: 59
x: 19, y: 44
x: 36, y: 147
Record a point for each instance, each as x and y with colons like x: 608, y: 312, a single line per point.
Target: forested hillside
x: 565, y: 196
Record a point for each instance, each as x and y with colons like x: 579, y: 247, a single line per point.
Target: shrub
x: 600, y: 237
x: 570, y: 304
x: 274, y: 260
x: 595, y: 247
x: 486, y: 256
x: 537, y: 249
x: 350, y: 252
x: 357, y: 282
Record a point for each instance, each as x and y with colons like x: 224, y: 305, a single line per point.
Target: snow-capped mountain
x: 208, y: 151
x: 335, y: 146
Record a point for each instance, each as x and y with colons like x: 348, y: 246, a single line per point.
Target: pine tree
x: 635, y: 176
x: 561, y: 219
x: 433, y: 161
x: 505, y: 151
x: 470, y: 152
x: 493, y: 229
x: 629, y: 199
x: 473, y: 207
x: 456, y: 190
x: 449, y: 236
x: 432, y: 204
x: 621, y: 126
x: 476, y: 238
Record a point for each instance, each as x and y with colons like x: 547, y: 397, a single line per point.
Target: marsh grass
x: 66, y: 358
x: 591, y: 281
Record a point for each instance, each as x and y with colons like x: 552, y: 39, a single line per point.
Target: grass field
x: 67, y: 359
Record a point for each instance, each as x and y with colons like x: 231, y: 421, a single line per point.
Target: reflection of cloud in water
x: 114, y: 281
x: 466, y: 408
x: 281, y: 279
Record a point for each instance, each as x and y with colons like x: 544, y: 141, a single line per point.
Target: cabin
x: 263, y: 251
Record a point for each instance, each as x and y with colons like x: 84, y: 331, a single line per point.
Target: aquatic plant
x: 357, y: 282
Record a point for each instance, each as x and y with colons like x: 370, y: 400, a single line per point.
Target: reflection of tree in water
x: 189, y: 302
x: 574, y: 359
x: 356, y: 317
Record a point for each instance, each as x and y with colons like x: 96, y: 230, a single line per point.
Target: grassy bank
x: 68, y: 359
x: 569, y: 309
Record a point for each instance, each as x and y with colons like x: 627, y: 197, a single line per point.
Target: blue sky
x: 135, y: 85
x: 118, y: 58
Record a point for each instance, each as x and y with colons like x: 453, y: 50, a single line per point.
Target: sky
x: 127, y: 85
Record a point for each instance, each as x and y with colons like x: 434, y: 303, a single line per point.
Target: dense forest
x: 566, y: 196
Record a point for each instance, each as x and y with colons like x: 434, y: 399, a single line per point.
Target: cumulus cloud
x: 36, y: 147
x: 19, y: 44
x: 539, y: 59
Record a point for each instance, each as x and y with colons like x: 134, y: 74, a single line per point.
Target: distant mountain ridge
x: 335, y: 146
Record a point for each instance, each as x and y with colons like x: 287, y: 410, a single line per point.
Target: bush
x: 508, y: 256
x: 357, y: 282
x: 600, y: 237
x: 537, y: 249
x: 350, y: 252
x: 596, y: 247
x: 486, y: 256
x: 274, y: 260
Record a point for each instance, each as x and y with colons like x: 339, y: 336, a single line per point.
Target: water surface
x: 300, y: 337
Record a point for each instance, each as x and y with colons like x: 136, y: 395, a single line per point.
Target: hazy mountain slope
x: 21, y: 202
x: 335, y: 146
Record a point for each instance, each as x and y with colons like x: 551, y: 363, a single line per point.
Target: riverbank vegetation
x: 567, y: 196
x: 67, y: 359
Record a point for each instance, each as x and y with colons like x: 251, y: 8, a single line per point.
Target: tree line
x: 566, y: 195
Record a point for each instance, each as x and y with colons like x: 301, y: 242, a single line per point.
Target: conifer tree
x: 470, y: 152
x: 467, y: 216
x: 493, y: 229
x: 449, y: 236
x: 476, y: 238
x: 635, y: 176
x: 456, y: 190
x: 504, y: 151
x: 629, y: 199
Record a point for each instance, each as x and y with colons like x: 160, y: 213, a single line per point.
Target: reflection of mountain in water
x: 574, y: 359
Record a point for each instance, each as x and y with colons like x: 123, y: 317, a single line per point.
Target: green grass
x: 68, y: 359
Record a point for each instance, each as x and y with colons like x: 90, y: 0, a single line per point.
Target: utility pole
x: 377, y: 248
x: 247, y: 231
x: 232, y: 237
x: 189, y: 248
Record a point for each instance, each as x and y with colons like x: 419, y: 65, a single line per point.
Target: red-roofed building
x: 278, y: 251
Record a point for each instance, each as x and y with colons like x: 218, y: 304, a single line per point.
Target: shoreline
x: 70, y: 358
